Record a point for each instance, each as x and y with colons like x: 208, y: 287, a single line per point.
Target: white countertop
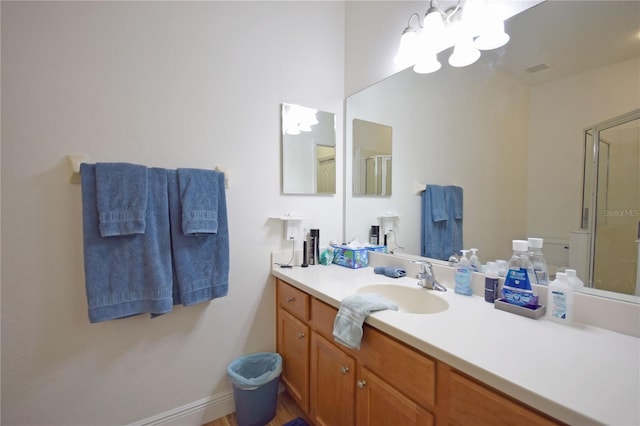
x: 578, y: 374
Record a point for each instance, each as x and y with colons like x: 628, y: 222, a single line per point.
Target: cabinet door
x: 379, y: 404
x: 293, y: 346
x: 471, y: 403
x: 332, y: 384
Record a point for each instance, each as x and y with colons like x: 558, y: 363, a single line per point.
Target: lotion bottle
x: 560, y: 299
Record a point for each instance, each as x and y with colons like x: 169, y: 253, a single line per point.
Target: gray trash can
x: 255, y: 387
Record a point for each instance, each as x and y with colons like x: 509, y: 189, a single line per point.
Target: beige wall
x: 169, y: 84
x: 560, y: 112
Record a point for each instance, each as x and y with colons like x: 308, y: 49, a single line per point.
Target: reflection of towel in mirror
x: 347, y: 327
x: 439, y: 239
x: 438, y: 206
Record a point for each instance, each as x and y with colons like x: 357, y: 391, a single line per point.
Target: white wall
x: 474, y: 137
x: 169, y: 84
x: 560, y: 112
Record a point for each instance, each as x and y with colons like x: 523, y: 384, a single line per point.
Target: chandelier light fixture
x: 470, y: 26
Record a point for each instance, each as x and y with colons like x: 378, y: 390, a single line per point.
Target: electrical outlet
x: 291, y: 230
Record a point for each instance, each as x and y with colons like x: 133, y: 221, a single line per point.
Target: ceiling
x: 571, y: 36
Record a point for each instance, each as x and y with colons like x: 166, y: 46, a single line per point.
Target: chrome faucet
x: 427, y: 277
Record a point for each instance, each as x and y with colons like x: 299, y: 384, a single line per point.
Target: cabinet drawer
x: 322, y: 318
x: 293, y: 300
x: 400, y: 366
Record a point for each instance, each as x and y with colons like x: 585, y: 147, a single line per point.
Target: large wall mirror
x: 508, y: 129
x: 308, y: 150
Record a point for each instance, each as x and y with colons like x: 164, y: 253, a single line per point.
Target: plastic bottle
x: 463, y: 275
x: 574, y: 280
x: 540, y: 270
x: 491, y: 282
x: 475, y: 262
x: 560, y: 299
x: 517, y: 288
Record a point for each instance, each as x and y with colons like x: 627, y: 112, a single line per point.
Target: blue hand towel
x: 432, y: 233
x: 453, y: 239
x: 128, y: 275
x: 347, y: 327
x: 199, y: 201
x: 121, y: 190
x: 453, y: 195
x: 389, y: 271
x: 438, y: 205
x: 201, y: 262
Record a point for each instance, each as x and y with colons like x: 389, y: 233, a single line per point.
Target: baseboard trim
x: 194, y: 413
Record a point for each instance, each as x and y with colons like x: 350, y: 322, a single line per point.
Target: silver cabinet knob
x: 300, y: 335
x: 361, y: 384
x: 291, y: 299
x: 344, y: 370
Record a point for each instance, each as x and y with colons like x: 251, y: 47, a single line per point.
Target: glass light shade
x: 427, y: 63
x: 492, y: 36
x: 407, y: 52
x: 433, y: 24
x: 464, y: 53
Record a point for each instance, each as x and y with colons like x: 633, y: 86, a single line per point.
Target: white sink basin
x: 410, y: 300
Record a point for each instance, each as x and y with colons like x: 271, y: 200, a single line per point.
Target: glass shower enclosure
x: 611, y: 204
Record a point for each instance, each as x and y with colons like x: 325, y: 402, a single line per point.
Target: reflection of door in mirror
x: 614, y: 151
x: 372, y: 158
x: 308, y: 151
x: 326, y: 159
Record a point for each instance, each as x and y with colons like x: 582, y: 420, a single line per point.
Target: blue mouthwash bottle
x: 517, y: 287
x: 463, y: 275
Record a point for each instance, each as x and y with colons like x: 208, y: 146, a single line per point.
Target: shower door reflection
x: 614, y: 250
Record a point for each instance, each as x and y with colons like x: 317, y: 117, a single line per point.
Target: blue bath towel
x: 199, y: 201
x: 437, y: 203
x: 200, y: 262
x: 131, y: 274
x: 347, y: 327
x: 453, y: 239
x: 121, y: 190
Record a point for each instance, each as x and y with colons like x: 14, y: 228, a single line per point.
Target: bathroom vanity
x: 467, y: 364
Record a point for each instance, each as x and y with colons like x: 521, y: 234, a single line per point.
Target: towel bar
x: 76, y: 159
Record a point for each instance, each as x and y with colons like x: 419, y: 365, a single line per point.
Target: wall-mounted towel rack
x: 76, y: 159
x: 74, y: 163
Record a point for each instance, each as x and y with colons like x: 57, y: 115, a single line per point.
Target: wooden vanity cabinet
x: 380, y: 404
x: 292, y: 341
x: 384, y: 383
x: 465, y: 401
x: 332, y: 384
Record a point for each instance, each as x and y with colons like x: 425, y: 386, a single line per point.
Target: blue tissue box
x: 354, y: 258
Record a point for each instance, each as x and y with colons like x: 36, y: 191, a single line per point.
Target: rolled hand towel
x: 389, y: 271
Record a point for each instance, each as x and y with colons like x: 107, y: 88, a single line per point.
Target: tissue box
x: 354, y: 258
